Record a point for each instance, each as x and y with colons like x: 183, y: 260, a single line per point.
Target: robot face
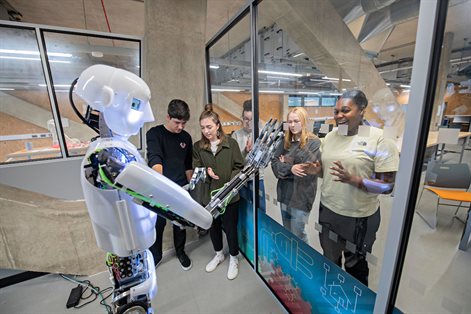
x: 128, y: 115
x: 122, y: 97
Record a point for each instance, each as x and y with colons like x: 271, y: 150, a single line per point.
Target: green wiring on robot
x: 130, y: 192
x: 226, y: 202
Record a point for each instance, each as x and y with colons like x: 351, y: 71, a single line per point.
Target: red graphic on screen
x: 283, y: 287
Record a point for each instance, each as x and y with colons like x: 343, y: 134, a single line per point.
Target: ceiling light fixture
x: 35, y: 53
x: 298, y: 54
x: 272, y: 91
x: 224, y: 90
x: 280, y: 73
x: 334, y: 79
x: 405, y: 86
x: 214, y: 66
x: 3, y: 88
x: 32, y: 59
x: 278, y: 78
x: 309, y: 93
x: 55, y: 85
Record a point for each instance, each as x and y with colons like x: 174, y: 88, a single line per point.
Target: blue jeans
x: 295, y: 220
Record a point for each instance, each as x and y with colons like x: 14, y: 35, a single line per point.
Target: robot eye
x: 136, y: 104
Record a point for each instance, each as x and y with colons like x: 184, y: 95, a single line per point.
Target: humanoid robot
x: 123, y: 195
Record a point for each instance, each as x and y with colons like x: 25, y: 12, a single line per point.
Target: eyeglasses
x: 246, y: 120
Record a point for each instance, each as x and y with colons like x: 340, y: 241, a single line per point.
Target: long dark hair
x: 209, y: 113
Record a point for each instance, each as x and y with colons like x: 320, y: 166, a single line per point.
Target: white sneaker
x: 218, y: 259
x: 233, y: 270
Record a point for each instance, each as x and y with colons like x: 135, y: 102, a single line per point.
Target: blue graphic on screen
x: 303, y: 279
x: 246, y: 228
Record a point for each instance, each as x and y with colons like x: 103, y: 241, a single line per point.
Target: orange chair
x: 449, y: 182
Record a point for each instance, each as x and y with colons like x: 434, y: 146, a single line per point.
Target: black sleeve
x: 281, y: 170
x: 189, y: 155
x: 154, y: 148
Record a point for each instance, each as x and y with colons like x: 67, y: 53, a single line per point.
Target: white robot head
x: 121, y: 96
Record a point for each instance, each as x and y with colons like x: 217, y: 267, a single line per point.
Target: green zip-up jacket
x: 226, y: 163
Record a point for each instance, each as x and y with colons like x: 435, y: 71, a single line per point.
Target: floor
x: 179, y: 291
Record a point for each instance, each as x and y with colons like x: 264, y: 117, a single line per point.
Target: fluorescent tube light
x: 280, y: 73
x: 278, y: 78
x: 298, y: 54
x: 334, y: 79
x: 55, y: 85
x: 214, y: 66
x: 309, y: 93
x: 35, y: 53
x: 32, y: 59
x: 405, y: 86
x: 272, y: 91
x: 224, y: 90
x: 19, y: 58
x: 3, y: 88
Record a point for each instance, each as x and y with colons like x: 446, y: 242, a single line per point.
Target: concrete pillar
x: 173, y: 67
x: 443, y: 69
x: 174, y: 42
x: 316, y: 27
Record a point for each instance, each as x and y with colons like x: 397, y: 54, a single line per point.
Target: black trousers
x: 179, y: 239
x: 352, y: 236
x: 229, y: 220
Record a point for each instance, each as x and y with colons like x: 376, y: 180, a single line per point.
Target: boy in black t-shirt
x: 169, y: 152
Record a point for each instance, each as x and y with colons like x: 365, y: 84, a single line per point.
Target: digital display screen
x: 329, y: 101
x: 311, y: 101
x: 136, y: 104
x: 294, y: 101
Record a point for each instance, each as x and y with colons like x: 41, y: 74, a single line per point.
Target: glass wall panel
x: 435, y: 277
x: 69, y: 55
x: 230, y: 79
x: 310, y: 54
x: 25, y: 107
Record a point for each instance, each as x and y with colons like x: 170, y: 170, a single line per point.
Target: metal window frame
x: 40, y: 30
x: 430, y: 32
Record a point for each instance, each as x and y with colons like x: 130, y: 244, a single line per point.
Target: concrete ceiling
x: 392, y: 44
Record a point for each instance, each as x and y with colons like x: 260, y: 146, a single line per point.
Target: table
x: 433, y: 141
x: 46, y: 152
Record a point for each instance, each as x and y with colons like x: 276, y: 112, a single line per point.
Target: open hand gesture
x: 212, y: 174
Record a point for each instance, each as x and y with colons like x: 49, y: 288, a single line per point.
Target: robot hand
x: 199, y: 174
x: 259, y: 157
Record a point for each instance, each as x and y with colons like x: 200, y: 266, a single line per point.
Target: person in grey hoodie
x: 296, y: 188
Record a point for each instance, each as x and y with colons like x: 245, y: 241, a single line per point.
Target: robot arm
x: 152, y: 190
x: 259, y: 157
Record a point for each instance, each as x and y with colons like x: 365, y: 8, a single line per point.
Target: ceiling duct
x: 370, y: 6
x: 8, y: 12
x: 387, y: 17
x: 350, y: 10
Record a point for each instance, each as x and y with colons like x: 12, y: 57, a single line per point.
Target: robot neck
x: 104, y: 129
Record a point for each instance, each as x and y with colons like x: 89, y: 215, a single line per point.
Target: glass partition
x: 338, y: 75
x: 230, y: 81
x: 435, y: 276
x: 25, y: 107
x: 29, y: 116
x: 331, y: 226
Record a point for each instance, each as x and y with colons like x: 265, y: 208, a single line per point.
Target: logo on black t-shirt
x: 183, y: 145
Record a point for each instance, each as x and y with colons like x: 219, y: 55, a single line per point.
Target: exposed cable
x: 95, y: 291
x: 106, y: 16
